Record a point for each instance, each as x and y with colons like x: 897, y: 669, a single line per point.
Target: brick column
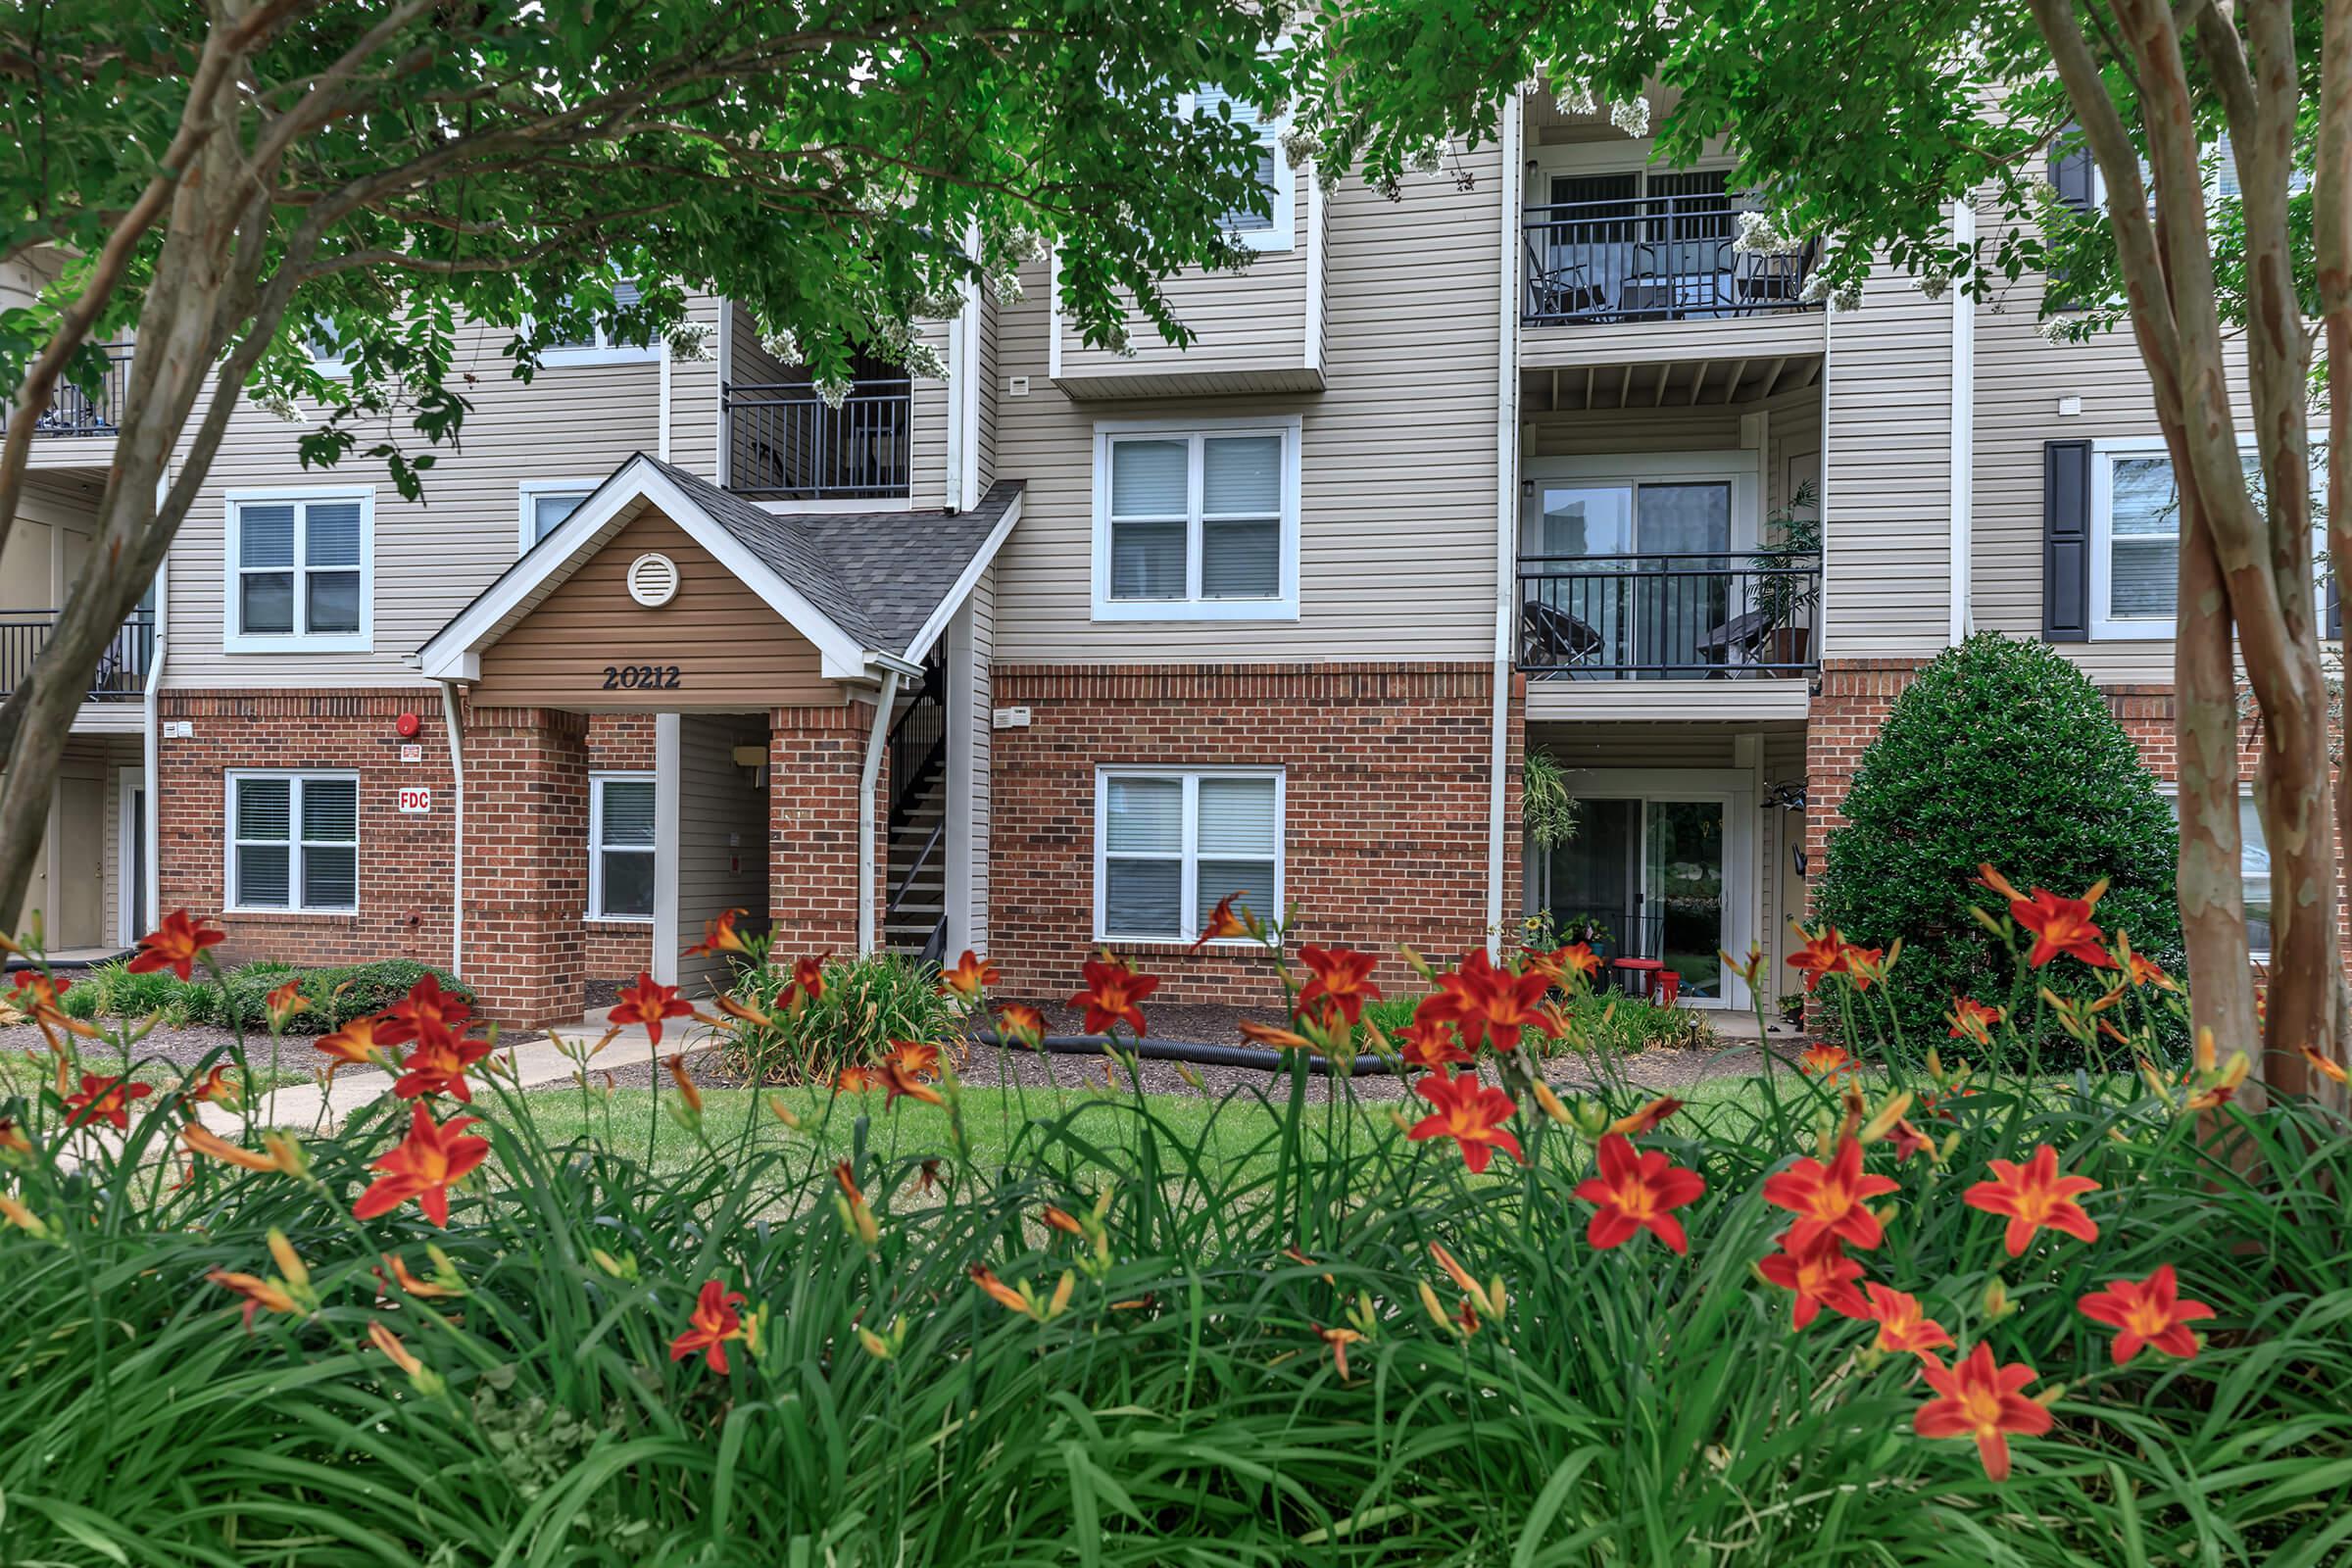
x: 527, y: 863
x: 815, y: 757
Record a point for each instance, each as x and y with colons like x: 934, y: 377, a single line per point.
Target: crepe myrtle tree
x: 230, y: 181
x: 1863, y: 127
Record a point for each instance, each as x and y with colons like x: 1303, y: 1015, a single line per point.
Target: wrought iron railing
x: 785, y: 443
x: 72, y: 412
x: 1669, y: 617
x: 1654, y: 258
x: 122, y: 673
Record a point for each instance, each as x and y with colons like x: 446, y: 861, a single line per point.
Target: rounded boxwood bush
x: 2004, y: 752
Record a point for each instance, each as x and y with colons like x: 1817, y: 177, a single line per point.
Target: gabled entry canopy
x: 865, y: 591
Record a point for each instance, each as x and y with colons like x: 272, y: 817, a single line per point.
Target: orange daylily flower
x: 384, y: 1340
x: 173, y: 944
x: 1863, y: 966
x: 2145, y: 1312
x: 2033, y: 1195
x: 713, y: 1322
x: 996, y: 1290
x: 1062, y: 1220
x: 720, y: 936
x: 896, y: 1081
x: 437, y: 1066
x: 745, y: 1013
x: 1824, y: 954
x: 106, y: 1099
x: 1826, y: 1061
x: 2333, y: 1071
x: 1980, y: 1399
x: 1819, y: 1274
x: 1489, y: 1004
x: 1022, y: 1024
x: 915, y: 1057
x: 422, y: 1289
x: 1829, y: 1200
x: 648, y: 1002
x: 1638, y: 1192
x: 421, y: 1166
x: 283, y: 1003
x: 288, y: 1291
x: 216, y: 1087
x: 1903, y: 1328
x: 2220, y: 1088
x: 808, y: 976
x: 1111, y: 996
x: 856, y: 1080
x: 1224, y: 923
x: 1647, y: 1119
x: 2059, y: 924
x: 1342, y: 979
x: 2142, y: 972
x: 1468, y: 1112
x: 427, y: 1013
x: 1908, y: 1140
x: 971, y: 975
x: 36, y: 996
x: 202, y: 1139
x: 1339, y: 1340
x: 1429, y: 1043
x: 1576, y: 958
x: 688, y: 1090
x: 1273, y: 1037
x: 1972, y: 1020
x: 12, y: 1138
x: 357, y: 1043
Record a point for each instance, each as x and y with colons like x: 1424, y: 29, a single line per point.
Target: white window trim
x: 2171, y: 791
x: 596, y: 845
x: 604, y: 352
x: 1193, y: 916
x: 234, y: 639
x: 1284, y: 605
x: 2109, y: 628
x: 526, y: 498
x: 1740, y: 468
x: 1284, y: 199
x: 234, y: 902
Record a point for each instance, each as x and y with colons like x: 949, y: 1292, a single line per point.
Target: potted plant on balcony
x: 1791, y: 582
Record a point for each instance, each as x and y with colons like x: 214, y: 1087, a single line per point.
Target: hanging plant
x: 1550, y: 814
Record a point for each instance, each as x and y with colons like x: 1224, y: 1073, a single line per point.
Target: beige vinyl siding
x: 927, y: 425
x: 1397, y: 557
x: 694, y: 412
x: 1889, y: 476
x: 1619, y: 432
x: 716, y: 803
x: 432, y: 556
x: 991, y: 387
x: 732, y: 651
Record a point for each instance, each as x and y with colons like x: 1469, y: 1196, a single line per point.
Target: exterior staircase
x: 915, y: 921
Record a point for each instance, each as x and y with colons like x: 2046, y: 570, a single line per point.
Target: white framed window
x: 1171, y: 843
x: 1278, y: 232
x: 620, y: 846
x: 2135, y: 535
x: 600, y: 347
x: 546, y: 503
x: 2253, y: 869
x: 300, y: 574
x: 1196, y: 522
x: 294, y: 841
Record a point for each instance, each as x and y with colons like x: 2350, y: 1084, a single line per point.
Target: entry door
x: 79, y: 917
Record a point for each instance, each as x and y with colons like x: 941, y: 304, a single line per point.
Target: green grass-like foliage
x: 1628, y: 1407
x: 865, y: 1005
x: 1606, y: 1021
x: 336, y: 995
x: 2000, y: 752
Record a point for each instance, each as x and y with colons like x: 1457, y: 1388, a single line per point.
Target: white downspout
x: 457, y: 810
x: 1964, y: 429
x: 151, y: 816
x: 1506, y: 520
x: 1821, y: 489
x: 869, y: 775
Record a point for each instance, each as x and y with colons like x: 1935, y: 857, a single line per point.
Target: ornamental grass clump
x: 811, y: 1020
x: 1883, y: 1310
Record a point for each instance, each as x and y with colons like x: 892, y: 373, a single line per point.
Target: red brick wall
x: 618, y: 949
x: 527, y: 863
x: 404, y: 861
x: 1386, y: 805
x: 815, y: 758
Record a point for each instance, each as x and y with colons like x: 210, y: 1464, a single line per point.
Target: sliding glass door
x: 1650, y: 877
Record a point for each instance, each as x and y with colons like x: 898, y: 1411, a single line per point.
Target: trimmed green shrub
x: 2002, y: 750
x: 868, y: 1002
x: 336, y: 995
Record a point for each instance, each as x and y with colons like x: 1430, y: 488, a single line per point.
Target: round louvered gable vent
x: 653, y: 580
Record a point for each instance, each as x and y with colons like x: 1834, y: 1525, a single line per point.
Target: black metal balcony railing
x: 1654, y: 258
x: 784, y: 444
x: 122, y: 673
x: 1668, y: 616
x: 75, y: 413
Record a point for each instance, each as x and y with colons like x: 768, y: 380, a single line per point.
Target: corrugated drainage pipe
x: 1200, y: 1056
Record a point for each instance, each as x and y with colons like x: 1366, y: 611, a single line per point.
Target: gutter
x: 1963, y: 431
x: 1507, y: 518
x: 457, y: 858
x: 868, y: 776
x: 151, y: 817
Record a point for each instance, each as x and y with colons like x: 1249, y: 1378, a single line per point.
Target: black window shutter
x: 2070, y: 169
x: 2066, y: 541
x: 2335, y: 604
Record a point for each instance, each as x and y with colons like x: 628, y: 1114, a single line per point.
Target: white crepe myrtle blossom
x: 1299, y: 144
x: 834, y: 393
x: 1631, y: 116
x: 1573, y: 97
x: 1005, y: 289
x: 1762, y: 234
x: 279, y: 403
x: 694, y: 342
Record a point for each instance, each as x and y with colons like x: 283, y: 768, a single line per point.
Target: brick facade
x: 815, y: 758
x: 618, y: 949
x: 527, y: 863
x: 1387, y: 774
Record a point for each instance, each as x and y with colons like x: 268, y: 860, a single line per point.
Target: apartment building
x: 1054, y: 652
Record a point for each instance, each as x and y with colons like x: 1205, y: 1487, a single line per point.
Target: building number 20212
x: 641, y: 677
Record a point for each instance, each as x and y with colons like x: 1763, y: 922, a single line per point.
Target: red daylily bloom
x: 2033, y: 1195
x: 437, y: 1066
x: 715, y: 1320
x: 356, y: 1044
x: 1823, y: 953
x: 1468, y: 1112
x: 1819, y: 1274
x: 1831, y: 1198
x: 1112, y: 991
x: 1487, y: 1004
x: 215, y: 1086
x: 2059, y: 924
x: 1429, y: 1043
x: 1342, y: 979
x: 855, y: 1080
x: 915, y: 1057
x: 1863, y: 966
x: 173, y: 944
x: 648, y: 1002
x: 2145, y: 973
x: 898, y: 1081
x: 1339, y: 1340
x: 1908, y: 1140
x: 12, y: 1138
x: 2332, y: 1071
x: 720, y: 936
x: 2146, y: 1311
x: 1979, y: 1399
x: 1825, y: 1061
x: 1647, y: 1119
x: 1576, y: 958
x: 1902, y: 1326
x: 35, y: 996
x: 971, y: 975
x: 1972, y: 1020
x: 1024, y: 1024
x: 285, y: 1001
x: 428, y: 1011
x: 1224, y: 924
x: 1637, y: 1190
x: 106, y: 1099
x: 808, y: 976
x: 421, y: 1166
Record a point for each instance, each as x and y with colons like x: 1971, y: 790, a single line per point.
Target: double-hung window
x: 2253, y: 870
x: 2135, y: 535
x: 1197, y: 523
x: 546, y: 503
x: 302, y: 571
x: 1170, y: 845
x: 1277, y: 230
x: 294, y: 842
x: 599, y: 346
x: 620, y: 846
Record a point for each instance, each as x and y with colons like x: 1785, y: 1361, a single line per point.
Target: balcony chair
x: 1552, y: 639
x: 1565, y: 290
x: 1743, y: 640
x: 1675, y: 278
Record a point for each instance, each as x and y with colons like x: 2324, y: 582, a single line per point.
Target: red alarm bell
x: 408, y: 725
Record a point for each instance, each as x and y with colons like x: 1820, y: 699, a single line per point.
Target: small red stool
x: 1670, y: 986
x: 1644, y: 973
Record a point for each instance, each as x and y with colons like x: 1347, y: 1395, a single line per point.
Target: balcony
x: 1669, y: 617
x: 1652, y: 258
x: 75, y: 414
x: 784, y: 443
x: 122, y: 673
